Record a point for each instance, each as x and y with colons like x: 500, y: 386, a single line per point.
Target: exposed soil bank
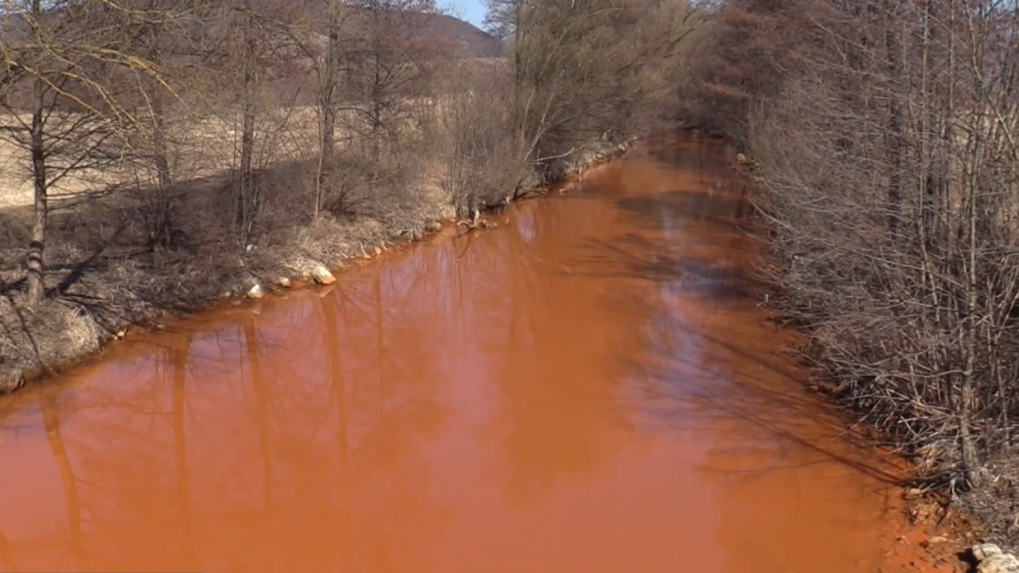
x: 591, y: 387
x: 97, y: 296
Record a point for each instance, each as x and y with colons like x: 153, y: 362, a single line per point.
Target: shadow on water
x: 665, y: 211
x: 672, y: 269
x: 284, y: 432
x: 710, y: 352
x: 686, y: 242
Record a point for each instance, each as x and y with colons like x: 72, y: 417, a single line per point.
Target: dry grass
x: 199, y: 146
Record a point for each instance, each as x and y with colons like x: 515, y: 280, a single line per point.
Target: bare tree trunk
x: 160, y: 153
x: 894, y: 130
x: 518, y: 66
x: 246, y: 194
x: 330, y: 75
x: 376, y: 103
x: 36, y: 252
x: 163, y: 224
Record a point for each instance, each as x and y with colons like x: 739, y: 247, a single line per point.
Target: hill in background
x: 469, y: 40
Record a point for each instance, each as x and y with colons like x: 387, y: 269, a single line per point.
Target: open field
x: 198, y: 148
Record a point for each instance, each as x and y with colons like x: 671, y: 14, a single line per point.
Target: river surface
x: 592, y: 387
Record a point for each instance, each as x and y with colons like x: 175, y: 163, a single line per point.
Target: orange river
x: 592, y: 387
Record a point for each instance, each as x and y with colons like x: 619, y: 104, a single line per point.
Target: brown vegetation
x: 885, y: 136
x: 179, y: 151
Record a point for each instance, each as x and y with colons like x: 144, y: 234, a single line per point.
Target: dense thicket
x: 886, y: 139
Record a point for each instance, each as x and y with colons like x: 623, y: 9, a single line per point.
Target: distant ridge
x: 468, y: 40
x: 471, y: 41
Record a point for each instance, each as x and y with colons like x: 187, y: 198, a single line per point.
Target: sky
x: 471, y: 10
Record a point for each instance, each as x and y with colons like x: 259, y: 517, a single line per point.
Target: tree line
x: 884, y: 136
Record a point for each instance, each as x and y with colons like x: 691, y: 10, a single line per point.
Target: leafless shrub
x: 887, y: 148
x: 481, y: 157
x: 585, y: 72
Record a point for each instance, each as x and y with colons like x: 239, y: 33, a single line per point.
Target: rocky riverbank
x: 990, y: 558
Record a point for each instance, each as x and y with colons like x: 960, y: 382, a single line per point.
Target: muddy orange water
x: 592, y: 387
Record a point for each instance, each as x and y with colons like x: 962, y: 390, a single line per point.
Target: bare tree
x: 387, y: 63
x: 897, y: 121
x: 481, y: 160
x: 67, y: 117
x: 580, y: 69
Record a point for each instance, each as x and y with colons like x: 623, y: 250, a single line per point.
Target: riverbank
x: 938, y: 491
x: 940, y: 535
x: 971, y: 522
x: 894, y: 231
x: 97, y: 293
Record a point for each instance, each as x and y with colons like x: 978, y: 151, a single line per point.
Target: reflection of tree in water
x: 667, y: 258
x: 386, y: 404
x: 794, y: 491
x: 350, y: 490
x: 63, y: 538
x: 705, y: 347
x: 115, y: 481
x: 273, y: 442
x: 51, y: 422
x: 259, y: 386
x: 178, y: 361
x: 548, y: 336
x: 6, y: 548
